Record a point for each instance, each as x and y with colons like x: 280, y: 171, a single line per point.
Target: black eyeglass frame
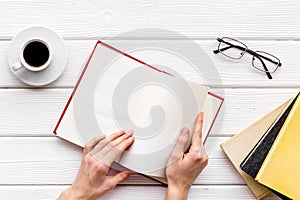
x: 244, y: 50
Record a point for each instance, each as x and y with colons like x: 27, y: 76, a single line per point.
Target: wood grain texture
x: 83, y: 19
x: 206, y: 192
x: 40, y: 160
x: 35, y: 112
x: 219, y: 171
x: 234, y: 73
x: 51, y: 148
x: 40, y: 167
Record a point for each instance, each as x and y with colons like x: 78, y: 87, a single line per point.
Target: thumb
x: 182, y: 140
x: 119, y: 177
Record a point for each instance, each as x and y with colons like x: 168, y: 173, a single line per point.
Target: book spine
x: 277, y: 141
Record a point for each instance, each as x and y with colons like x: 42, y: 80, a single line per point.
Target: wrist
x: 72, y: 193
x: 176, y: 192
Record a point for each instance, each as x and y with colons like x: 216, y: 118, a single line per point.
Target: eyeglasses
x: 261, y: 60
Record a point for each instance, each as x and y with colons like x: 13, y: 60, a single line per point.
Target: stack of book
x: 267, y: 153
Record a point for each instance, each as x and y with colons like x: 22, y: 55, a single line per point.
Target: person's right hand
x: 183, y: 168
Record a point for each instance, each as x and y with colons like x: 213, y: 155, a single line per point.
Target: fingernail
x: 130, y: 137
x: 185, y: 131
x: 122, y: 132
x: 101, y: 137
x: 130, y: 132
x: 133, y: 174
x: 201, y: 114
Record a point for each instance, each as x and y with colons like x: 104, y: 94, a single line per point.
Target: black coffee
x: 36, y: 54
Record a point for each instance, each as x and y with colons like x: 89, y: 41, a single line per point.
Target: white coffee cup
x: 35, y: 55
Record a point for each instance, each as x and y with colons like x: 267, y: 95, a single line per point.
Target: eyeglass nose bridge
x: 251, y: 52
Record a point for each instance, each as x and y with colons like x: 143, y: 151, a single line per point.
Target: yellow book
x: 281, y: 168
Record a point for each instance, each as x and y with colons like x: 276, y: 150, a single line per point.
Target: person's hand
x: 92, y: 180
x: 183, y: 168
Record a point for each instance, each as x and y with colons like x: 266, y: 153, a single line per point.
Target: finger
x: 119, y: 177
x: 116, y: 152
x: 178, y: 150
x: 106, y: 141
x: 91, y: 144
x: 110, y: 146
x: 100, y: 146
x: 118, y: 140
x: 203, y: 152
x: 197, y: 133
x: 116, y: 135
x: 199, y: 156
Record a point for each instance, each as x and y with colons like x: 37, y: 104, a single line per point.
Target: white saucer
x: 57, y: 65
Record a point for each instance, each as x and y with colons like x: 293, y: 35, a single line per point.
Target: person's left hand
x: 92, y: 180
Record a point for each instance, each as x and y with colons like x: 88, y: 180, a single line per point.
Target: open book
x: 119, y: 92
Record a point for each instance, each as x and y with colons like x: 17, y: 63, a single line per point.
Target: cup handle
x: 17, y: 66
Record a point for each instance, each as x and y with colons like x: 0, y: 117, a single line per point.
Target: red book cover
x: 117, y: 91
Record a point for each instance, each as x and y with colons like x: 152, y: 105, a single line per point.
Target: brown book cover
x: 238, y: 147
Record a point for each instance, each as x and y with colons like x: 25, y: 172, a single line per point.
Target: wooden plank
x: 218, y: 171
x: 206, y: 192
x: 29, y: 164
x: 35, y: 152
x: 233, y: 73
x: 198, y: 19
x: 38, y: 149
x: 31, y: 112
x: 44, y: 162
x: 35, y: 112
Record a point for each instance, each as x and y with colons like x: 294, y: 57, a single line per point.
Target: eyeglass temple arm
x: 223, y: 49
x: 268, y: 59
x: 228, y: 47
x: 268, y: 73
x: 264, y: 65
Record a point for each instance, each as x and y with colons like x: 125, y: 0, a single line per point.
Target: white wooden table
x: 34, y: 164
